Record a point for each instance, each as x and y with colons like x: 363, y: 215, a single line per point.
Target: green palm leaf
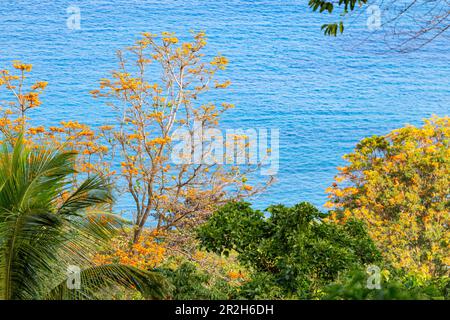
x: 41, y: 235
x: 93, y: 279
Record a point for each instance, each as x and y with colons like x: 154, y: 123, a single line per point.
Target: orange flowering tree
x: 174, y: 194
x: 20, y: 97
x: 146, y: 254
x: 74, y: 136
x: 399, y: 185
x: 24, y: 98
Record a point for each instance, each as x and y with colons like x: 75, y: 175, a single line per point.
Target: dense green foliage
x: 292, y: 252
x: 392, y: 196
x: 352, y: 286
x: 188, y: 283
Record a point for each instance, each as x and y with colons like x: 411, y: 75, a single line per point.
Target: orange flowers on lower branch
x: 145, y: 254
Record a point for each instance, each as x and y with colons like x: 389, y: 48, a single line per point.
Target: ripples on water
x: 323, y: 94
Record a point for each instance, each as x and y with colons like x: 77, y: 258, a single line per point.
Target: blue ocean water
x: 323, y: 94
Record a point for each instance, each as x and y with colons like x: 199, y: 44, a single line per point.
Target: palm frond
x: 93, y: 191
x: 41, y: 234
x: 150, y: 284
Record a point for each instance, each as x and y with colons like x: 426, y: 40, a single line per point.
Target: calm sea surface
x: 323, y: 94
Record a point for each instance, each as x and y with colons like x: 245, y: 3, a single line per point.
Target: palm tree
x: 42, y: 233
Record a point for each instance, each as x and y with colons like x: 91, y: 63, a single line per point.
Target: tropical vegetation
x: 47, y: 226
x: 192, y: 233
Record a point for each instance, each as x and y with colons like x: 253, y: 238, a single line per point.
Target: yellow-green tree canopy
x: 398, y: 185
